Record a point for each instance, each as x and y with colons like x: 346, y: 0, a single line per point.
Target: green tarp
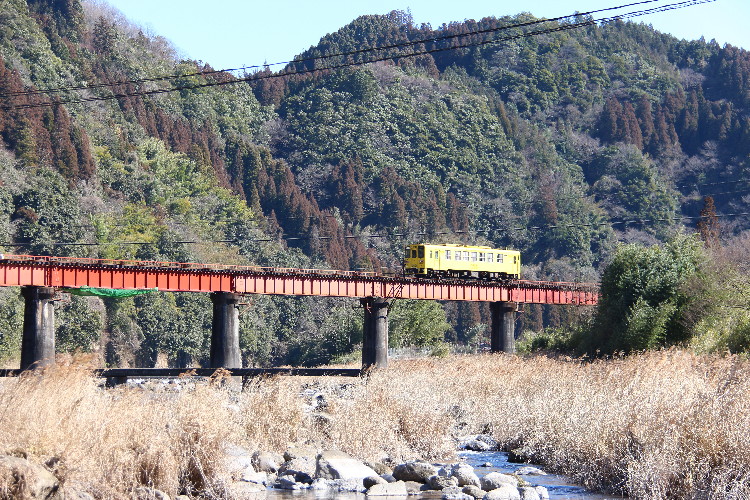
x: 109, y: 292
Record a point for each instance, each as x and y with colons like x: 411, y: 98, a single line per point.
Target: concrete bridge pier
x: 503, y: 327
x: 225, y: 331
x: 375, y: 341
x: 38, y: 342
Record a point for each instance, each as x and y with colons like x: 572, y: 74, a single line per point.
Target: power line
x: 640, y: 221
x: 258, y: 76
x: 316, y: 58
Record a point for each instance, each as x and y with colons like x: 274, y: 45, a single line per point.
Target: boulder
x: 505, y: 492
x: 488, y: 440
x: 474, y: 445
x: 371, y: 481
x: 264, y: 461
x: 255, y: 477
x: 299, y: 464
x: 464, y: 474
x: 495, y: 480
x: 388, y: 489
x: 295, y: 452
x: 389, y: 478
x: 146, y: 493
x: 543, y: 493
x: 455, y: 493
x: 437, y: 482
x: 73, y: 494
x: 474, y: 491
x: 24, y: 479
x: 346, y: 485
x: 414, y: 471
x: 287, y: 483
x: 529, y: 493
x: 530, y: 471
x: 240, y: 489
x: 339, y: 465
x: 414, y: 487
x: 379, y: 467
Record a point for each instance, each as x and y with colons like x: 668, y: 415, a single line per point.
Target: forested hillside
x: 560, y: 145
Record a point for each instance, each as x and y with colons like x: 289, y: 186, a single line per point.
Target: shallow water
x: 559, y: 487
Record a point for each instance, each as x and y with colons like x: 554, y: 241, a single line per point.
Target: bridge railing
x: 188, y: 266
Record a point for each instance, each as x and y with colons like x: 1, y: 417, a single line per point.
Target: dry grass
x: 658, y: 425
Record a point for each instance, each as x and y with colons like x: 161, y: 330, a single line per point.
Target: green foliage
x: 11, y: 323
x: 416, y: 323
x: 644, y: 300
x: 77, y: 326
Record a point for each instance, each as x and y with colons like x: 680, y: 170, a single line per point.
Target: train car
x: 461, y: 261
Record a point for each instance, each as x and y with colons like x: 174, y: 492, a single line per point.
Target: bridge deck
x: 64, y: 272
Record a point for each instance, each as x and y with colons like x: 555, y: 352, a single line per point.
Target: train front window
x: 413, y: 253
x: 420, y: 252
x: 408, y: 252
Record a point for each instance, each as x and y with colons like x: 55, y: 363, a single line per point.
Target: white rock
x: 530, y: 471
x: 388, y: 489
x: 495, y: 480
x: 528, y: 493
x: 339, y: 465
x: 543, y: 493
x: 505, y: 492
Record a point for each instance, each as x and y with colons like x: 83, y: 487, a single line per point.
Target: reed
x: 667, y: 424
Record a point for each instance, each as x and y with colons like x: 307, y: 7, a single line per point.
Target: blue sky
x: 236, y: 33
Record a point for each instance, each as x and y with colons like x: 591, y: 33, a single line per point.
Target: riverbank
x: 658, y: 425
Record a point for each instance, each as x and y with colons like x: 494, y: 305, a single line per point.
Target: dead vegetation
x: 658, y: 425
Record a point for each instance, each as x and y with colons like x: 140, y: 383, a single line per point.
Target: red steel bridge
x: 42, y: 276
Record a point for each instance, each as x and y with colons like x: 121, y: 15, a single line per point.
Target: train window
x: 420, y: 252
x: 473, y: 256
x: 465, y: 256
x: 515, y: 259
x: 481, y: 256
x: 499, y: 258
x: 408, y: 252
x: 447, y: 255
x: 489, y: 257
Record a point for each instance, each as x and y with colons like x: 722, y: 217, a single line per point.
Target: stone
x: 389, y: 478
x: 543, y: 493
x: 474, y: 491
x: 437, y: 482
x: 414, y: 487
x: 414, y: 471
x: 397, y: 489
x: 73, y: 494
x: 305, y: 452
x: 517, y: 456
x: 379, y: 467
x: 339, y: 465
x: 287, y: 483
x: 494, y: 480
x: 371, y: 481
x: 455, y: 493
x: 319, y: 484
x: 488, y: 440
x: 25, y: 479
x: 346, y: 485
x: 299, y: 464
x: 486, y: 464
x: 264, y: 461
x: 146, y: 493
x: 240, y: 489
x: 530, y: 471
x: 529, y: 493
x: 465, y: 475
x: 505, y: 492
x: 475, y: 445
x: 255, y: 477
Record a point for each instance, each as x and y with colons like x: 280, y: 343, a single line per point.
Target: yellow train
x: 461, y: 261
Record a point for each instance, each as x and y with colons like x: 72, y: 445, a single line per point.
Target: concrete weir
x: 375, y: 342
x: 503, y: 327
x: 38, y: 342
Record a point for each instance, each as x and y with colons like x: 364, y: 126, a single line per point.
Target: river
x: 559, y: 487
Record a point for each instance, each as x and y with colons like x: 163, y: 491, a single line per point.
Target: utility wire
x: 392, y: 235
x: 258, y: 76
x: 317, y: 58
